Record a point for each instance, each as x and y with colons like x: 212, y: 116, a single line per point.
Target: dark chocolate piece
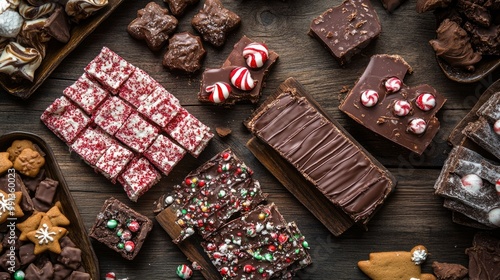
x: 153, y: 24
x: 32, y: 182
x: 486, y: 40
x: 61, y: 271
x: 113, y: 228
x: 481, y: 132
x: 79, y: 275
x: 26, y: 201
x: 323, y: 153
x: 391, y: 5
x: 5, y: 276
x: 449, y: 271
x: 26, y: 254
x: 461, y: 219
x: 57, y: 26
x: 346, y: 29
x: 412, y: 124
x: 185, y: 53
x: 70, y: 257
x: 429, y: 5
x: 7, y: 260
x: 214, y: 22
x: 46, y: 191
x: 45, y: 272
x: 474, y: 12
x: 177, y: 7
x: 237, y: 59
x: 223, y: 131
x: 483, y: 257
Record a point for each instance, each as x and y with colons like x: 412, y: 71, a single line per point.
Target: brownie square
x: 187, y: 130
x: 65, y: 119
x: 160, y: 106
x: 92, y: 144
x: 121, y: 228
x: 138, y: 178
x: 138, y: 87
x: 137, y: 133
x: 164, y: 154
x: 112, y: 114
x: 110, y: 69
x: 86, y: 93
x: 113, y: 161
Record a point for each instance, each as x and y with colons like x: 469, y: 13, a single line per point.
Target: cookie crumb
x: 223, y: 131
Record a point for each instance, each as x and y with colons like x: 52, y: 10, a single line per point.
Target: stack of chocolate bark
x: 470, y: 179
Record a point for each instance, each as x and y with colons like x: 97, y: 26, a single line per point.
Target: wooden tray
x: 483, y: 68
x: 56, y: 52
x: 76, y: 230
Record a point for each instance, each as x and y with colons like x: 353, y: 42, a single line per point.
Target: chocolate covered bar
x: 483, y: 257
x: 322, y: 152
x: 346, y: 29
x: 381, y: 102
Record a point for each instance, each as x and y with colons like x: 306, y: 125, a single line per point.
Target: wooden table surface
x: 412, y: 215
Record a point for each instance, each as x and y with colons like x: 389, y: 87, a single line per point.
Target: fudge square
x: 164, y: 154
x: 110, y: 69
x: 113, y: 161
x: 346, y: 29
x: 92, y: 144
x: 138, y: 87
x: 65, y: 119
x: 121, y: 228
x: 137, y: 133
x: 138, y: 178
x: 86, y: 93
x: 160, y: 106
x: 111, y: 115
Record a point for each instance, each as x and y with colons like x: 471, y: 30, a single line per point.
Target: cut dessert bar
x: 322, y: 152
x: 113, y: 161
x: 92, y: 144
x: 111, y: 115
x: 137, y: 133
x: 138, y: 178
x: 121, y: 228
x: 483, y: 256
x: 160, y: 106
x: 86, y: 93
x: 109, y: 69
x: 64, y: 119
x: 138, y: 87
x: 164, y: 154
x: 381, y: 102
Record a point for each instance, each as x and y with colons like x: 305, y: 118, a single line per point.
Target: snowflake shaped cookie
x: 46, y: 237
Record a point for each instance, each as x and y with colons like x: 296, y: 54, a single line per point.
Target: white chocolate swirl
x: 33, y: 35
x: 81, y: 9
x: 34, y: 12
x: 19, y: 62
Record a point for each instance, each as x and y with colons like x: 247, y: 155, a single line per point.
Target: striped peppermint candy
x: 369, y: 98
x: 417, y: 126
x: 401, y: 108
x: 425, y: 101
x: 496, y: 127
x: 184, y: 272
x: 256, y: 55
x: 241, y: 78
x: 219, y: 92
x: 393, y: 84
x: 472, y: 183
x: 110, y: 276
x: 497, y: 186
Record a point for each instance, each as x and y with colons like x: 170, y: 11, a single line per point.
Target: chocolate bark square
x: 346, y: 29
x: 86, y: 93
x: 137, y: 133
x: 121, y: 228
x: 111, y: 115
x: 138, y: 178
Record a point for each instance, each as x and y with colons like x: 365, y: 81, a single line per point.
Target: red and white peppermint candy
x: 129, y: 246
x: 255, y: 54
x: 219, y: 92
x: 184, y: 271
x: 110, y: 276
x: 417, y: 126
x: 393, y: 84
x: 494, y: 216
x: 241, y: 78
x: 472, y: 182
x: 401, y: 108
x: 133, y: 226
x: 497, y: 186
x: 426, y: 101
x: 369, y: 98
x: 496, y: 127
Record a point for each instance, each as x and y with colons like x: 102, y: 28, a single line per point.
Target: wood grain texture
x: 412, y: 215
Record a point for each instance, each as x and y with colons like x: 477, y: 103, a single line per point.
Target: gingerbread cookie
x: 10, y: 205
x: 29, y: 225
x: 17, y: 147
x: 56, y: 217
x: 46, y: 237
x: 5, y: 163
x: 29, y: 162
x: 396, y: 265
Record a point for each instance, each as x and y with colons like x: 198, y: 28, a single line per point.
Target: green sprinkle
x: 305, y: 244
x: 120, y: 245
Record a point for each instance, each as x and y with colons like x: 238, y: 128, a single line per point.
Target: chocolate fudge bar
x: 257, y: 61
x: 346, y: 29
x: 121, y: 228
x: 483, y: 257
x: 381, y: 102
x: 323, y: 153
x: 470, y: 180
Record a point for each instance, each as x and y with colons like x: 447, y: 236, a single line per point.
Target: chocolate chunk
x: 430, y: 5
x: 223, y: 131
x: 483, y: 257
x: 79, y: 275
x: 485, y: 40
x: 346, y: 29
x: 449, y: 271
x: 66, y: 242
x: 9, y: 259
x: 178, y: 7
x: 391, y: 5
x: 185, y: 53
x: 40, y: 205
x: 381, y: 102
x: 61, y: 271
x: 474, y: 12
x: 481, y: 132
x: 112, y: 228
x: 82, y: 9
x: 26, y: 201
x: 46, y: 191
x: 70, y: 257
x: 45, y: 272
x: 57, y: 26
x: 5, y: 276
x: 214, y: 22
x: 26, y: 254
x: 32, y: 182
x: 318, y: 148
x: 153, y: 24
